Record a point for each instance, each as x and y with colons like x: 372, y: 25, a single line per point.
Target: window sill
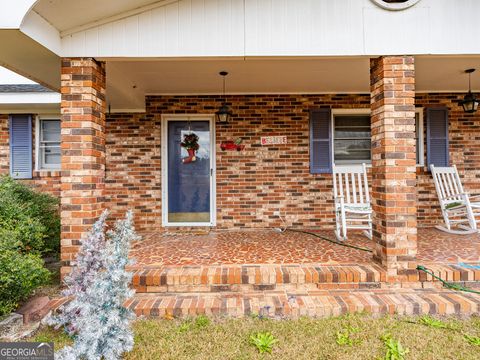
x: 369, y: 164
x: 46, y: 173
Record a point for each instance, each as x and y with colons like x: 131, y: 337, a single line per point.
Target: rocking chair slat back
x: 354, y: 188
x: 454, y: 202
x: 351, y: 183
x: 448, y: 183
x: 360, y: 187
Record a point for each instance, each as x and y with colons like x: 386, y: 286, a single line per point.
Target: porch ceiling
x: 129, y: 80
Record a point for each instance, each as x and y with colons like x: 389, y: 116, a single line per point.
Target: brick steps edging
x: 319, y: 303
x: 267, y: 277
x: 450, y: 272
x: 263, y: 277
x: 313, y: 304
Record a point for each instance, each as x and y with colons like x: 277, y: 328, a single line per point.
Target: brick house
x: 136, y: 76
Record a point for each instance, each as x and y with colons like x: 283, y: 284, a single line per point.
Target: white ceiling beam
x: 40, y: 30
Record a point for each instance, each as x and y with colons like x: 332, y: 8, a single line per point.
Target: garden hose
x: 447, y: 284
x: 330, y: 240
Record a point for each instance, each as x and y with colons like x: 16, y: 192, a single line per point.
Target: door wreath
x: 190, y: 143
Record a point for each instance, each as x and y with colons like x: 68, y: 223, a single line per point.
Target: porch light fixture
x: 224, y: 113
x: 469, y: 102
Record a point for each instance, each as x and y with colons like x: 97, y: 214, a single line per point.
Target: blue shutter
x: 437, y: 137
x: 320, y: 141
x: 21, y: 146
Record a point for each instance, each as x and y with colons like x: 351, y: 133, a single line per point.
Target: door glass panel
x: 188, y: 176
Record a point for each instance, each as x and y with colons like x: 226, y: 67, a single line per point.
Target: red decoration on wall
x: 232, y: 145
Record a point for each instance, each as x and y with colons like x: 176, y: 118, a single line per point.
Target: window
x: 343, y: 136
x: 48, y: 144
x: 351, y: 139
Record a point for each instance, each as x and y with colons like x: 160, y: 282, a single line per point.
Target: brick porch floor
x: 270, y: 247
x: 286, y: 275
x: 440, y: 247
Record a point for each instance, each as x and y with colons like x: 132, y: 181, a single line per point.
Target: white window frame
x: 420, y: 131
x: 360, y: 112
x: 38, y: 161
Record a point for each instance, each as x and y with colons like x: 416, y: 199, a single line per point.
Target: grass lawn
x: 360, y: 337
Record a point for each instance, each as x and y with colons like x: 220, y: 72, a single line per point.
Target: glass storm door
x: 189, y: 174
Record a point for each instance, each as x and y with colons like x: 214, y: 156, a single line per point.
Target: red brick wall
x: 259, y: 180
x: 133, y: 174
x: 4, y: 145
x: 47, y: 181
x: 251, y: 184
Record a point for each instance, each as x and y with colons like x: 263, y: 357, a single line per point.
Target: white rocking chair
x: 352, y: 200
x: 457, y: 209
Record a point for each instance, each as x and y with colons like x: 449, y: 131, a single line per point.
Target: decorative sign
x: 273, y: 140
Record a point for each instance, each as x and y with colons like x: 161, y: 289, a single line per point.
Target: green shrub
x: 29, y: 220
x: 18, y: 230
x: 20, y: 274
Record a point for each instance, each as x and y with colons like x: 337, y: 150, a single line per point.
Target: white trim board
x: 164, y: 170
x: 30, y: 98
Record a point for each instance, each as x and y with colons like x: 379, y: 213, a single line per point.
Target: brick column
x: 392, y: 80
x: 83, y: 151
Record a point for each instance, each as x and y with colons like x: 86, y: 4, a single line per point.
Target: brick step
x: 265, y: 277
x: 318, y: 303
x: 451, y: 273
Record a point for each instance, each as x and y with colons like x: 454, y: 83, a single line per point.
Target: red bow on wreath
x: 190, y: 143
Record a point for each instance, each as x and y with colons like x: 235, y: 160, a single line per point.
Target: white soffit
x: 129, y: 81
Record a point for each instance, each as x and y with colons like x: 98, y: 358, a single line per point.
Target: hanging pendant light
x: 469, y: 102
x: 224, y: 113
